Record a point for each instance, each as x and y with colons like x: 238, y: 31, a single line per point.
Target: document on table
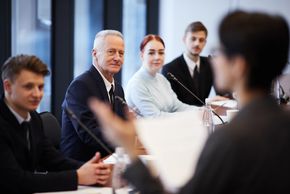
x: 226, y: 103
x: 217, y: 121
x: 175, y: 142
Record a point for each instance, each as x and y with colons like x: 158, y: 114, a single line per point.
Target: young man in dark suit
x: 251, y: 153
x: 29, y: 163
x: 191, y: 69
x: 98, y: 81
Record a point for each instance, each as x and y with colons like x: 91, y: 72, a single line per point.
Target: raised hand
x: 118, y: 131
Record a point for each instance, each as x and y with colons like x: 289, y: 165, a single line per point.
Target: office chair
x: 51, y: 128
x: 284, y: 81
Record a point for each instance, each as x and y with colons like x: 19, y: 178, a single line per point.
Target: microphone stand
x: 171, y: 76
x: 124, y: 103
x: 83, y: 126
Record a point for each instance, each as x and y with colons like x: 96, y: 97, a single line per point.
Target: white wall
x: 175, y: 15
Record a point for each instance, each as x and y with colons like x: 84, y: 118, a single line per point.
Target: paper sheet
x: 111, y: 159
x: 217, y: 121
x: 175, y: 142
x: 226, y: 103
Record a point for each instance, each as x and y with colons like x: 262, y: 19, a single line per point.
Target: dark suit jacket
x: 19, y: 168
x: 179, y: 69
x: 76, y: 142
x: 249, y: 155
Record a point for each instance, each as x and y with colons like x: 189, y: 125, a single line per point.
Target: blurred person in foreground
x: 251, y: 153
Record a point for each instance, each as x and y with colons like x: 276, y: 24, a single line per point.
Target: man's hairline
x: 103, y: 38
x: 16, y: 75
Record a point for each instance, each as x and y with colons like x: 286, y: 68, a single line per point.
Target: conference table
x: 86, y: 190
x: 220, y: 110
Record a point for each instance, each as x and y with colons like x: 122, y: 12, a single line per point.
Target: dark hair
x: 14, y: 65
x: 263, y: 40
x: 148, y: 38
x: 196, y: 27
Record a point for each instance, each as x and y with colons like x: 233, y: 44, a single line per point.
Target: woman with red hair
x: 148, y: 91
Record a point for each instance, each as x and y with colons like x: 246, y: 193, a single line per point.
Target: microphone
x: 83, y: 126
x: 171, y: 76
x: 124, y: 103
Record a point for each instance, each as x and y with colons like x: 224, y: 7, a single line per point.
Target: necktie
x: 26, y: 128
x: 112, y: 97
x: 196, y: 80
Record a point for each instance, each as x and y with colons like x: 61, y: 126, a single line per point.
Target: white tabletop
x: 85, y: 190
x: 92, y: 190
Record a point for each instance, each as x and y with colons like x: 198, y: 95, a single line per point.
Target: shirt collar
x: 107, y: 83
x: 191, y: 64
x: 19, y: 118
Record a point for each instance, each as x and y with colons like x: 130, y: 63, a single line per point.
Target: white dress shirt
x: 191, y: 64
x: 107, y: 83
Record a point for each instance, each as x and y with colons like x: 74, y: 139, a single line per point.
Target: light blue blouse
x: 153, y: 96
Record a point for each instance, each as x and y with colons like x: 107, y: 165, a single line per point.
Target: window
x: 88, y: 21
x: 134, y: 29
x: 31, y: 21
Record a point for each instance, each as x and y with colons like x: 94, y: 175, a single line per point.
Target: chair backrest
x: 285, y: 83
x: 51, y: 128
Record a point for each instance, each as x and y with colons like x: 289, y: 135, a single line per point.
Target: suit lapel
x: 202, y: 71
x: 99, y: 83
x: 118, y: 105
x: 14, y: 125
x: 188, y: 80
x: 102, y: 88
x: 33, y: 153
x: 8, y: 116
x: 205, y: 77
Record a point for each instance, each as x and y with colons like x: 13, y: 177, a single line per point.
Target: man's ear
x: 94, y: 53
x: 183, y: 38
x: 7, y: 84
